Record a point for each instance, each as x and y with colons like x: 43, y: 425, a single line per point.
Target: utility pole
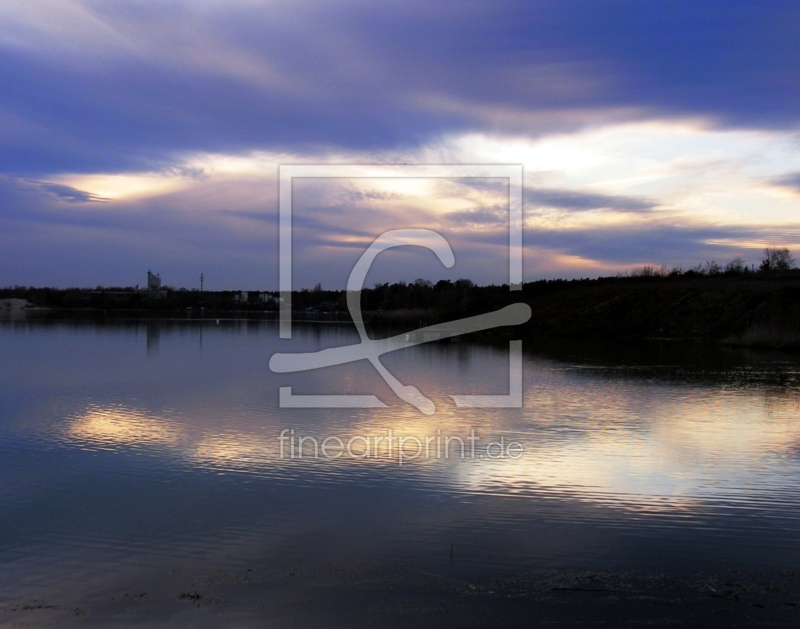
x: 201, y: 282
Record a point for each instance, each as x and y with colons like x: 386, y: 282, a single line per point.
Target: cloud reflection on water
x: 644, y: 446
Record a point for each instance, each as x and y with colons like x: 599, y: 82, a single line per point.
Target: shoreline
x: 751, y: 310
x: 392, y: 595
x: 780, y: 336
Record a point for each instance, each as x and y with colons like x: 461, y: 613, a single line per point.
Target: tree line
x: 445, y: 297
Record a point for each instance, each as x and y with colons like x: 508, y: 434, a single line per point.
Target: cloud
x: 359, y: 196
x: 233, y: 240
x: 494, y: 215
x: 178, y: 113
x: 67, y: 193
x: 584, y: 201
x: 574, y: 201
x: 791, y: 180
x: 120, y: 86
x: 675, y: 244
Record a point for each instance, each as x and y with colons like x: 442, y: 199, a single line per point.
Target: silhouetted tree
x: 737, y: 265
x: 776, y: 260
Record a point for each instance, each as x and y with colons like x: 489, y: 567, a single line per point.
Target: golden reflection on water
x: 637, y: 445
x: 645, y: 454
x: 233, y: 451
x: 114, y: 426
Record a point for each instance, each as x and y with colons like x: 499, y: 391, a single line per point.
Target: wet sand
x: 395, y: 596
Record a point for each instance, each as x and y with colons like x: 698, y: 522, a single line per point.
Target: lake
x: 138, y: 453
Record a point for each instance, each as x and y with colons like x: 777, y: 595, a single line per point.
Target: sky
x: 147, y: 134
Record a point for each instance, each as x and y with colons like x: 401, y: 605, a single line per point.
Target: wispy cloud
x: 484, y: 216
x: 120, y: 85
x: 67, y: 193
x: 583, y: 201
x: 791, y: 180
x: 659, y: 243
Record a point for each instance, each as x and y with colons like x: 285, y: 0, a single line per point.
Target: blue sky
x: 147, y: 134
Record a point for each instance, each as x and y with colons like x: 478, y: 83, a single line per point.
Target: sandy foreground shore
x: 396, y: 596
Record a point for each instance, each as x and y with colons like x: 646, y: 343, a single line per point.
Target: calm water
x: 131, y: 449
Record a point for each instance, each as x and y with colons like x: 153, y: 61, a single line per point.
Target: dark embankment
x: 752, y: 309
x: 758, y: 312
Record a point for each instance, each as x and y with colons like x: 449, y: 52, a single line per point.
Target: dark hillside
x: 758, y: 311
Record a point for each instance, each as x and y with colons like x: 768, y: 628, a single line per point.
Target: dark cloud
x: 369, y: 76
x: 67, y: 193
x: 685, y: 245
x: 492, y: 215
x: 583, y: 201
x: 270, y: 218
x: 788, y: 181
x: 496, y: 215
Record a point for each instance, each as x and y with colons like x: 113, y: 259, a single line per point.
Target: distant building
x: 154, y: 286
x: 153, y: 281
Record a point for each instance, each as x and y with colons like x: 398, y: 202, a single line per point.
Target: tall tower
x: 153, y: 281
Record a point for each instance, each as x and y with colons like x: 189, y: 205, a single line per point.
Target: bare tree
x: 737, y: 265
x: 712, y: 268
x: 776, y: 260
